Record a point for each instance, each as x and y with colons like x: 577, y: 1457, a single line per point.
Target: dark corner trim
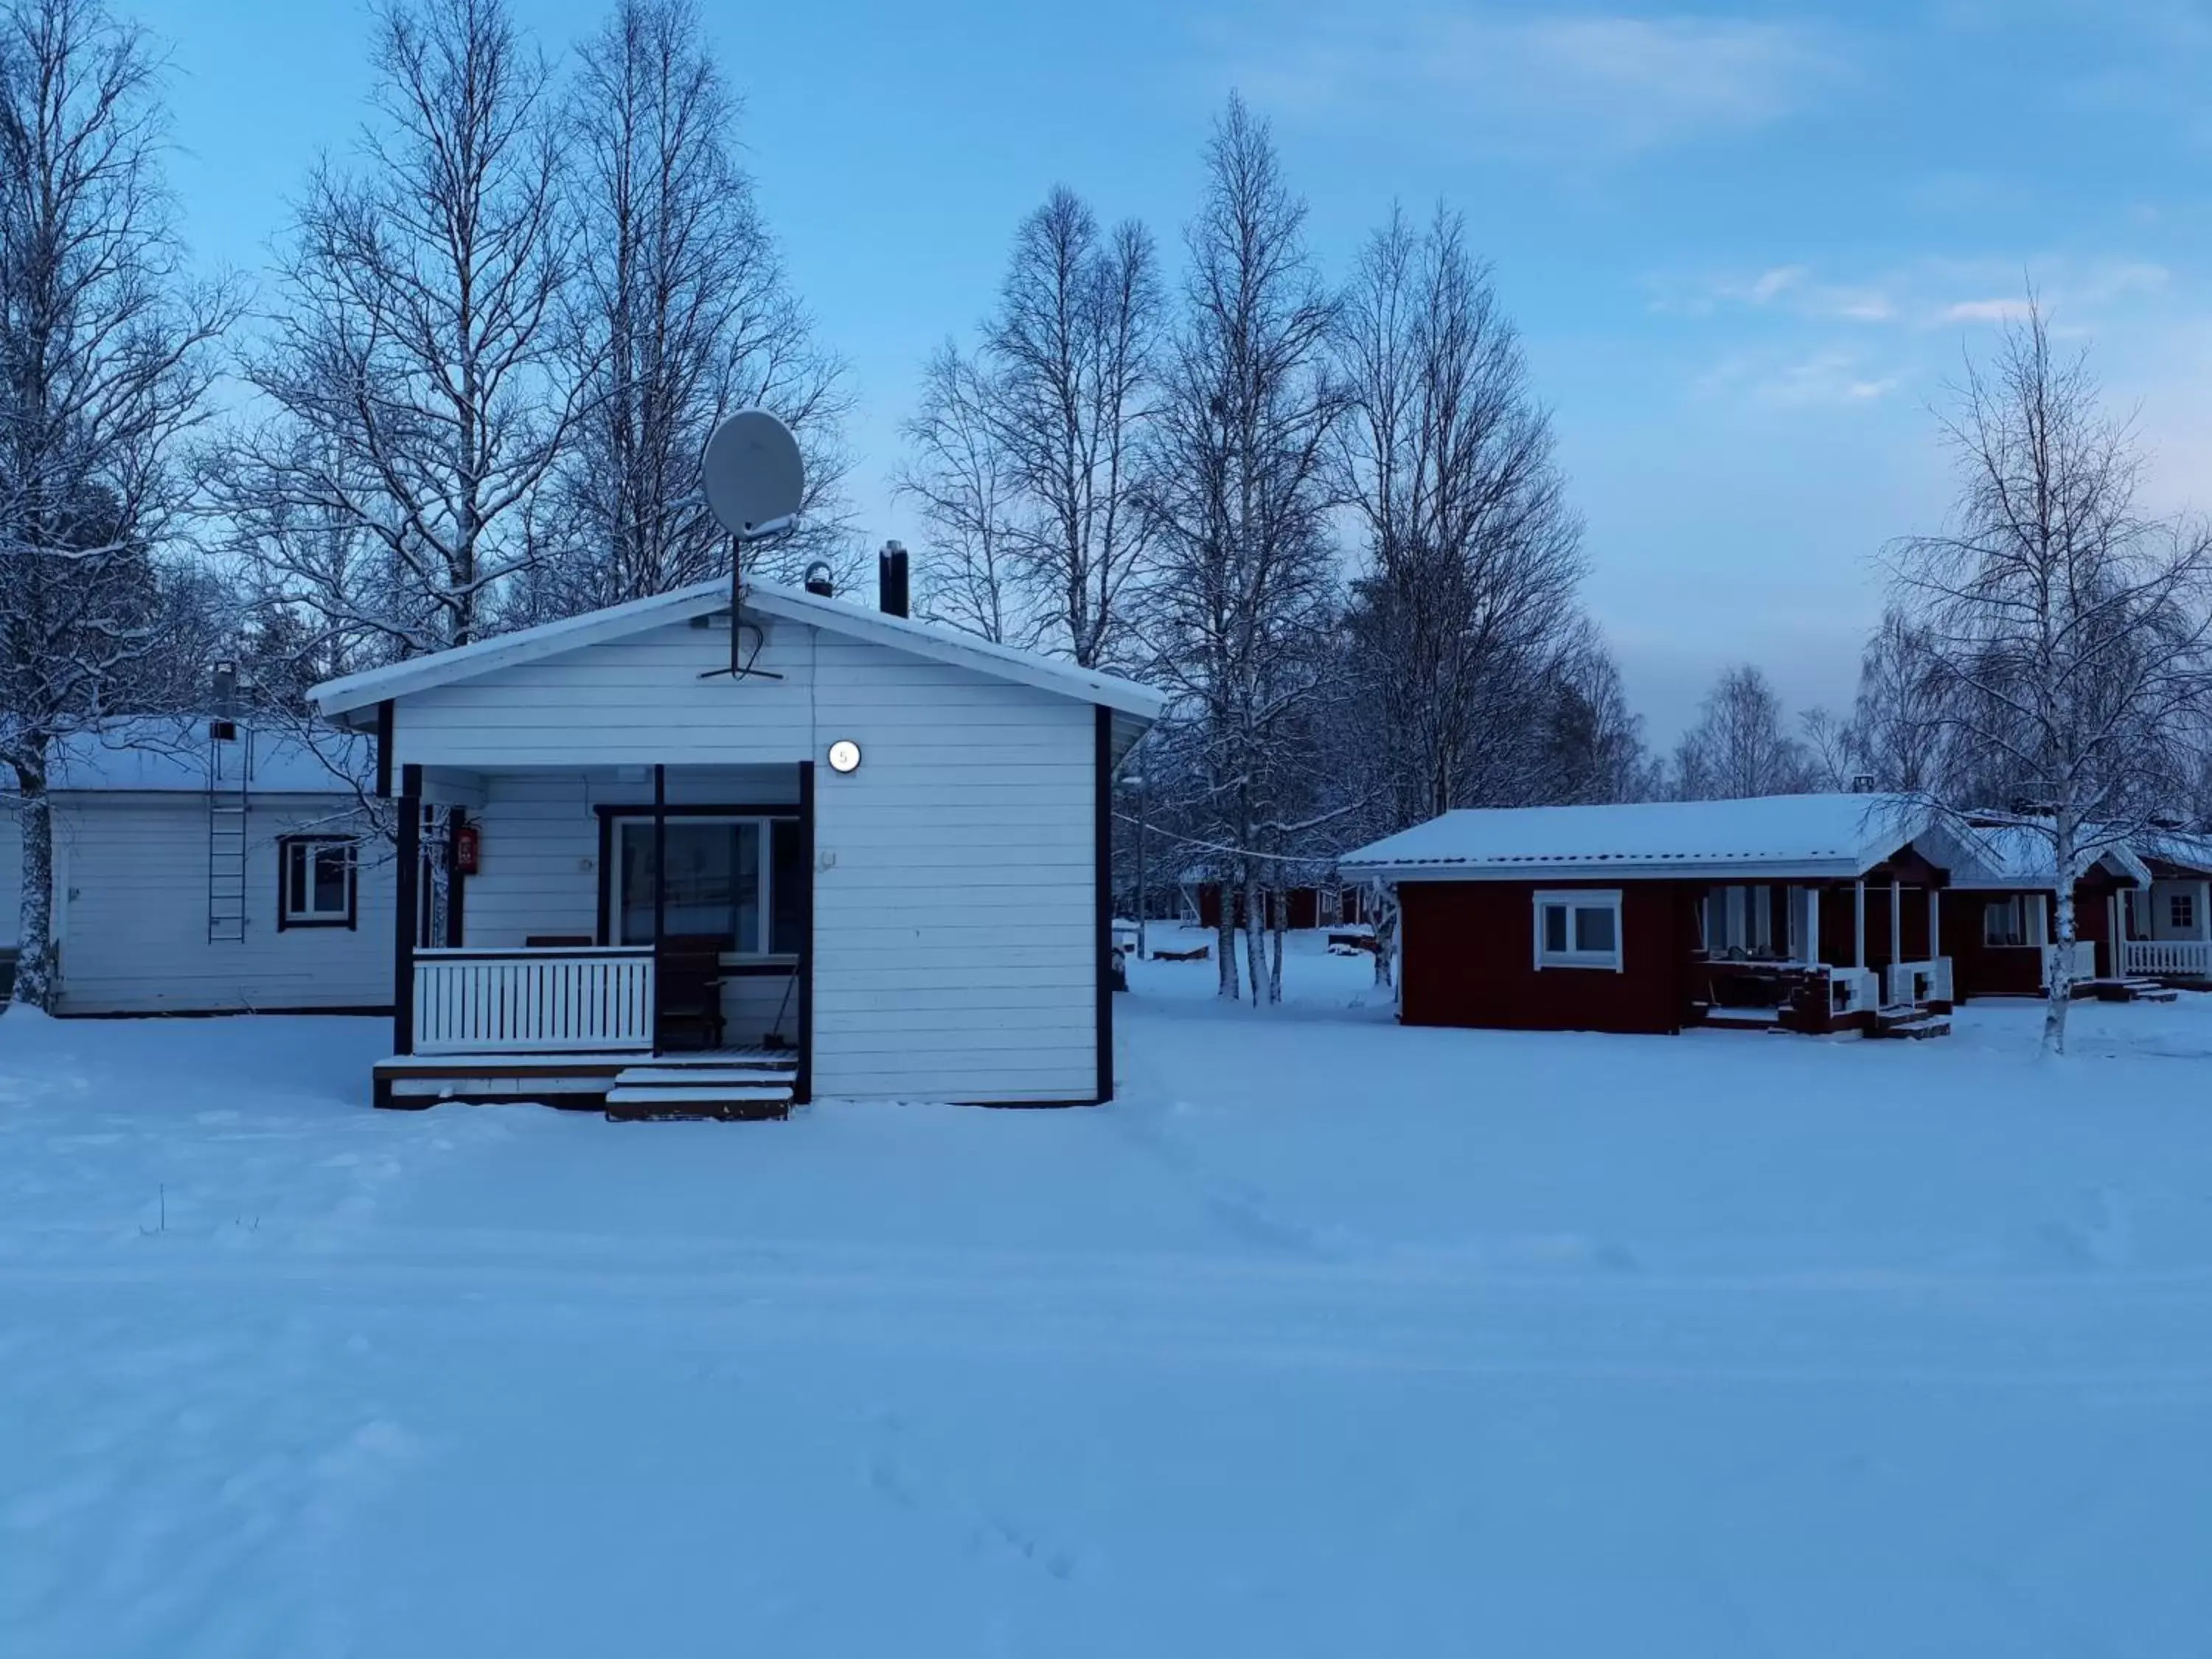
x: 802, y: 1083
x: 384, y: 750
x: 406, y: 905
x: 1103, y: 882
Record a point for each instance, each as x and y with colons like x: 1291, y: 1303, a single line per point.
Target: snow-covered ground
x: 1330, y: 1338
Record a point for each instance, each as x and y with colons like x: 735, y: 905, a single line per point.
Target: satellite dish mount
x: 754, y: 480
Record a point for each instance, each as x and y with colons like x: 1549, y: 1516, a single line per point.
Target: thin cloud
x: 1830, y: 379
x: 1923, y: 294
x: 1986, y: 311
x: 1791, y: 289
x: 1565, y: 86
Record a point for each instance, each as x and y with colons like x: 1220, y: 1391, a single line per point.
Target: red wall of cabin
x: 1986, y: 970
x: 1469, y: 959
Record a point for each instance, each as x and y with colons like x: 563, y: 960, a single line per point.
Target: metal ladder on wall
x: 230, y: 774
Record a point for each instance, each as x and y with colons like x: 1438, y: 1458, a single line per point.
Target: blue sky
x: 1747, y: 245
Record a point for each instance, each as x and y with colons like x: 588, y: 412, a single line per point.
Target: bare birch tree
x: 1074, y: 346
x: 959, y: 476
x: 106, y: 357
x: 1473, y: 555
x: 1741, y: 745
x: 1025, y: 456
x: 1239, y: 492
x: 2066, y: 629
x: 680, y: 313
x: 416, y: 366
x: 1898, y: 735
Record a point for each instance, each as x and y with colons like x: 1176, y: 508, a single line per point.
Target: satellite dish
x: 752, y: 474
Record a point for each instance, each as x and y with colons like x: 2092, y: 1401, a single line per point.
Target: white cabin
x: 202, y: 874
x: 886, y: 842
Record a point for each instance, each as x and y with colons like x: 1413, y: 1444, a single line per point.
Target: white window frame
x: 765, y: 887
x: 1581, y: 898
x: 290, y: 915
x: 2181, y: 910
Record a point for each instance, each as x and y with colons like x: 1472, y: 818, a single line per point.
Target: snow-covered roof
x: 164, y: 754
x: 2019, y: 855
x: 348, y: 697
x: 1775, y: 835
x: 2189, y: 849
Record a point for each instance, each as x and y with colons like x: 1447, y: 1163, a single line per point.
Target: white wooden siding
x: 134, y: 871
x: 955, y: 929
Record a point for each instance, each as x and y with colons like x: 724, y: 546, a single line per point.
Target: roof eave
x: 1670, y: 870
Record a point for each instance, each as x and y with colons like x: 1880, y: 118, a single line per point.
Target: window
x: 1739, y: 922
x: 2015, y: 920
x: 2181, y: 912
x: 1578, y: 930
x: 316, y: 882
x: 737, y: 880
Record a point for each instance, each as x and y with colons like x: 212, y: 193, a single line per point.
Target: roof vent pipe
x: 891, y: 579
x: 1861, y: 783
x: 819, y: 581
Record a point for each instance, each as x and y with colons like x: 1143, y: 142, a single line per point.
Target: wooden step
x: 670, y: 1105
x: 769, y: 1092
x: 687, y: 1077
x: 1916, y: 1026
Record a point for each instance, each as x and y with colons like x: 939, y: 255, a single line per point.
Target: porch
x: 2166, y: 930
x: 1760, y: 962
x: 639, y: 936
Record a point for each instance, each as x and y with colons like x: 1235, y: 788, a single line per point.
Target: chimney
x: 891, y: 580
x: 223, y: 728
x: 819, y: 581
x: 1862, y: 783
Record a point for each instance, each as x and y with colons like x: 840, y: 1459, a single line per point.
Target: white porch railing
x: 574, y: 1000
x: 1915, y: 982
x: 1853, y: 990
x: 2182, y: 958
x: 2085, y: 961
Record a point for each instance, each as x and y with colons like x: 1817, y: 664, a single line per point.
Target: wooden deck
x: 692, y: 1083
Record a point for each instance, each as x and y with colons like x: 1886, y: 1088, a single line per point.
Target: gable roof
x: 2018, y: 856
x: 2182, y: 849
x: 1774, y: 836
x: 348, y: 697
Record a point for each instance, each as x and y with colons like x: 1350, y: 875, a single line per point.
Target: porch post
x: 1813, y: 925
x: 2205, y: 910
x: 406, y: 901
x: 1896, y: 922
x: 1858, y: 924
x: 660, y: 881
x: 802, y: 1083
x: 1934, y: 922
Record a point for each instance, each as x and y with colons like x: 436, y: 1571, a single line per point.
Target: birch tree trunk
x: 1279, y: 920
x: 2059, y: 994
x: 36, y: 981
x: 1255, y: 936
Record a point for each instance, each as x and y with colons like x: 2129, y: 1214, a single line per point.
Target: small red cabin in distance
x: 1813, y: 912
